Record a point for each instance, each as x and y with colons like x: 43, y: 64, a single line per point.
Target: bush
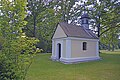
x: 13, y: 64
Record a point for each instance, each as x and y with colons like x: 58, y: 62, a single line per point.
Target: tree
x: 41, y: 22
x: 35, y: 7
x: 110, y: 39
x: 70, y: 10
x: 17, y: 50
x: 106, y: 17
x: 47, y: 15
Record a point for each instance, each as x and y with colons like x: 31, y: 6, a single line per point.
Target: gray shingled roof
x: 77, y: 31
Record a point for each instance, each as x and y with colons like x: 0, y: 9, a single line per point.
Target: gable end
x: 59, y: 33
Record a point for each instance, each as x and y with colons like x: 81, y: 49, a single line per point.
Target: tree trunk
x: 109, y: 47
x: 98, y: 30
x: 34, y: 18
x: 113, y: 47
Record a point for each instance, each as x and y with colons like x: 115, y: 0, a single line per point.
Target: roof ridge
x: 93, y: 34
x: 62, y: 28
x: 87, y: 32
x: 76, y: 31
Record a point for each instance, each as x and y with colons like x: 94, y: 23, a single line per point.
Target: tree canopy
x: 17, y: 50
x: 44, y: 15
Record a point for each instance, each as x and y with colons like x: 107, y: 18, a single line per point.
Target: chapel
x: 72, y: 43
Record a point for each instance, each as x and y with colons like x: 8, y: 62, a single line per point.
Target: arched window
x: 86, y: 21
x: 82, y: 21
x: 84, y: 45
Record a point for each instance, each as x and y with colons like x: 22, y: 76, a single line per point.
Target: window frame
x: 82, y: 21
x: 86, y: 21
x: 84, y: 44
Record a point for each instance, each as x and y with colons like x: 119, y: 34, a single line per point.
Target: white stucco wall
x: 72, y: 50
x: 55, y: 53
x: 59, y: 33
x: 77, y: 48
x: 64, y: 48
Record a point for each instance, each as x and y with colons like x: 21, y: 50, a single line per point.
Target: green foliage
x: 16, y: 57
x: 110, y: 25
x: 17, y: 50
x: 41, y: 23
x: 110, y: 39
x: 46, y: 24
x: 106, y: 17
x: 65, y: 9
x: 43, y: 17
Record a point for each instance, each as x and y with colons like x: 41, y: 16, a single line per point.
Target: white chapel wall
x: 77, y: 48
x: 59, y: 33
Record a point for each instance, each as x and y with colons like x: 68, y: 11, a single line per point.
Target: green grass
x: 106, y: 69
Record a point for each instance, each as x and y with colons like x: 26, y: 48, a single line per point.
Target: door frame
x: 57, y: 50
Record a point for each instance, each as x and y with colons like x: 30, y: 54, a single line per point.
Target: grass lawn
x: 106, y: 69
